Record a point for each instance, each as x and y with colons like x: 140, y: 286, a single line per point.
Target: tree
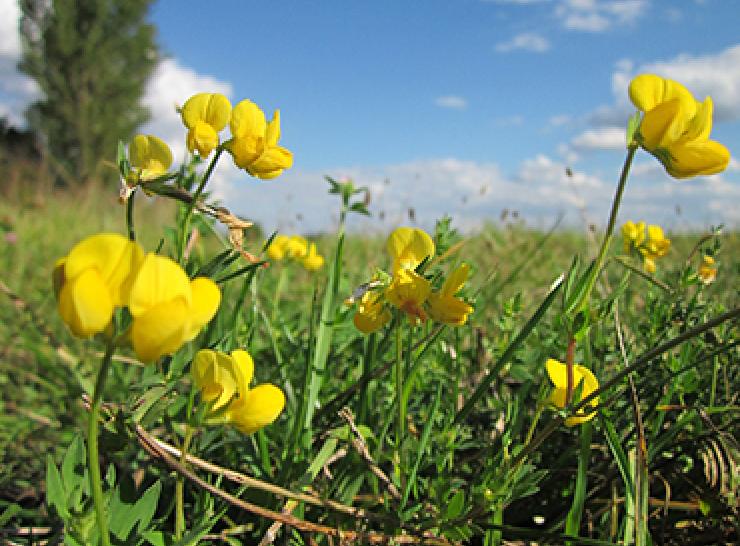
x: 91, y: 60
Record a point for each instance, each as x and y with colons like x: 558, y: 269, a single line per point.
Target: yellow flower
x: 675, y: 127
x: 371, y: 314
x: 707, y: 270
x: 313, y: 261
x: 296, y: 247
x: 93, y: 279
x: 218, y: 376
x: 656, y: 246
x: 444, y: 306
x: 205, y: 115
x: 557, y: 371
x: 149, y: 156
x: 408, y: 291
x: 168, y: 309
x: 224, y: 381
x: 276, y: 250
x: 254, y: 145
x: 409, y: 247
x: 633, y: 234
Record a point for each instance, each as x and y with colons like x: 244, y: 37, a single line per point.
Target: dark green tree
x: 91, y: 60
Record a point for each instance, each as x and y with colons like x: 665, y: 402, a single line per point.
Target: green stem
x: 93, y: 463
x: 610, y: 225
x: 399, y: 391
x: 573, y: 521
x: 130, y: 216
x: 191, y: 205
x: 180, y: 484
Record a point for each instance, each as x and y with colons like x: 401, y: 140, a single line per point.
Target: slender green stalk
x: 93, y: 463
x: 191, y: 205
x: 616, y: 202
x: 130, y: 216
x: 400, y: 423
x: 573, y: 521
x: 180, y: 484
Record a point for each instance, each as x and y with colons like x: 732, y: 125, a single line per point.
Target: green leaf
x: 9, y: 513
x: 127, y: 514
x: 74, y: 472
x: 456, y: 505
x: 56, y: 496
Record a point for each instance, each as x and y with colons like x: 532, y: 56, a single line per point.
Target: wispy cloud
x: 17, y: 90
x: 170, y: 86
x: 599, y: 15
x: 526, y: 41
x: 603, y: 138
x: 452, y: 102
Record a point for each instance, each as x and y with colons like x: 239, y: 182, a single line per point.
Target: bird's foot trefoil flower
x: 205, y: 115
x: 675, y: 127
x: 558, y: 374
x: 444, y: 306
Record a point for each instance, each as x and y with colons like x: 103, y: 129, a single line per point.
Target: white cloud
x: 527, y: 41
x: 17, y: 90
x: 171, y: 85
x: 716, y: 75
x: 599, y: 15
x: 603, y: 138
x: 452, y: 102
x: 559, y: 120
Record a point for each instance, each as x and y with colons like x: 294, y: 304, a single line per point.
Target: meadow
x: 558, y: 390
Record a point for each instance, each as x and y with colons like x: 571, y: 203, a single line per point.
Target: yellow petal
x: 160, y: 330
x: 648, y: 91
x: 700, y: 125
x: 662, y: 125
x: 85, y: 304
x: 218, y: 111
x: 276, y: 250
x: 247, y: 120
x: 113, y: 256
x: 408, y: 247
x: 213, y: 375
x: 271, y: 162
x: 454, y: 283
x: 203, y: 138
x: 697, y: 158
x: 448, y: 309
x: 257, y: 408
x: 368, y: 323
x: 206, y: 297
x: 244, y: 368
x: 557, y: 372
x: 296, y: 247
x: 159, y: 280
x: 151, y: 154
x: 272, y: 134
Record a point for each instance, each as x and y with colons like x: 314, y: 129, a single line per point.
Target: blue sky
x: 467, y: 107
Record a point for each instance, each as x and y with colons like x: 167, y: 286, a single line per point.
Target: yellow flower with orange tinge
x: 223, y: 381
x: 150, y: 157
x: 707, y: 270
x: 205, y: 115
x: 444, y: 306
x: 675, y: 127
x: 371, y: 314
x: 407, y: 292
x: 558, y: 374
x: 297, y: 248
x: 167, y: 308
x: 95, y: 278
x: 254, y: 143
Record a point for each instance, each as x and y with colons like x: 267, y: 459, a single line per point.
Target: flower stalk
x: 93, y: 464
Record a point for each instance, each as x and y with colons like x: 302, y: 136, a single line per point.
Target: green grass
x: 482, y: 477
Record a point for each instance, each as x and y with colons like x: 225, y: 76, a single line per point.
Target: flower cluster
x: 675, y: 127
x: 707, y: 270
x: 650, y: 248
x: 107, y: 271
x: 296, y: 248
x: 253, y: 145
x: 558, y: 373
x: 223, y: 381
x: 407, y: 290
